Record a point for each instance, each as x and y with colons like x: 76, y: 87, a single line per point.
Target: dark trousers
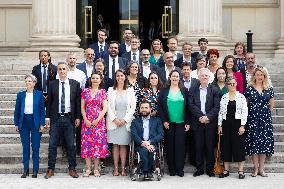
x: 29, y: 133
x: 176, y: 147
x: 204, y: 147
x: 78, y: 138
x: 65, y: 128
x: 147, y: 159
x: 190, y: 147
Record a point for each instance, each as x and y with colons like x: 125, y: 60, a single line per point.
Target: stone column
x: 201, y: 18
x: 54, y: 26
x: 280, y: 44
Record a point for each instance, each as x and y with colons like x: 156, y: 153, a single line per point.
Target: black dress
x: 233, y: 144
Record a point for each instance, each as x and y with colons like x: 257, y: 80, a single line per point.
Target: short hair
x: 125, y: 81
x: 213, y: 51
x: 244, y: 48
x: 203, y: 69
x: 186, y: 64
x: 203, y: 39
x: 34, y: 79
x: 144, y: 101
x: 102, y: 79
x: 199, y: 57
x: 60, y: 63
x: 186, y: 43
x: 172, y: 37
x: 235, y: 69
x: 102, y: 30
x: 113, y: 42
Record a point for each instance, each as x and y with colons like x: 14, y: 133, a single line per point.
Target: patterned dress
x: 137, y: 91
x: 148, y: 95
x: 259, y: 130
x: 94, y: 139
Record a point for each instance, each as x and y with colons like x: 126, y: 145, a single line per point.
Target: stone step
x: 278, y: 119
x: 8, y: 97
x: 15, y: 138
x: 15, y: 77
x: 276, y: 128
x: 279, y: 103
x: 12, y: 84
x: 11, y: 90
x: 7, y: 104
x: 278, y: 136
x: 279, y: 96
x: 6, y: 111
x: 278, y: 111
x: 278, y: 89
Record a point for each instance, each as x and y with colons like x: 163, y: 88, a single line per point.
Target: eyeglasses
x: 231, y: 84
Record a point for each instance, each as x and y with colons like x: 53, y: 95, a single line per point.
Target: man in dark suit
x: 147, y: 132
x: 113, y: 62
x: 62, y: 113
x: 126, y: 45
x: 186, y: 49
x: 45, y: 71
x: 187, y: 81
x: 146, y: 67
x: 88, y: 65
x: 203, y: 45
x: 168, y: 67
x: 204, y: 104
x: 101, y: 47
x: 134, y: 53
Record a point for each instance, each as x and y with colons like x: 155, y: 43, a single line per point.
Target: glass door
x: 128, y: 16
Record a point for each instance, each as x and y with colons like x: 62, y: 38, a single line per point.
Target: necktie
x: 63, y: 98
x: 44, y: 79
x: 134, y: 56
x: 101, y: 51
x: 113, y: 69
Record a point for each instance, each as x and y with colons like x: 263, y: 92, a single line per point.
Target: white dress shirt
x: 127, y: 47
x: 67, y: 96
x: 146, y: 69
x: 101, y: 44
x: 110, y: 62
x: 168, y: 71
x: 203, y: 94
x: 146, y: 128
x: 29, y: 103
x: 136, y: 54
x: 77, y: 75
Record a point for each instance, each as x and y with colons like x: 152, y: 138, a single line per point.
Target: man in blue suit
x: 126, y: 45
x: 147, y: 132
x: 100, y: 47
x: 88, y: 65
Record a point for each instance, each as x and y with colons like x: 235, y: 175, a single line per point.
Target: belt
x: 64, y: 114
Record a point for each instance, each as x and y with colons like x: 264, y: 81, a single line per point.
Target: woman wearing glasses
x: 231, y: 124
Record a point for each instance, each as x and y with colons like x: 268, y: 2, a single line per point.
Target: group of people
x: 121, y: 93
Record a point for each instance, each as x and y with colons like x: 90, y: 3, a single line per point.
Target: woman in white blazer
x: 121, y: 107
x: 231, y: 124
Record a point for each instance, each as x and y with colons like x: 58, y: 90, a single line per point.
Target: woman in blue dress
x: 259, y: 136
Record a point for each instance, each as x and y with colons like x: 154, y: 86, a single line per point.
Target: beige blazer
x: 111, y: 114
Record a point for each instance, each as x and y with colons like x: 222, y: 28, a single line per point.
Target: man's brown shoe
x: 73, y: 173
x: 49, y: 173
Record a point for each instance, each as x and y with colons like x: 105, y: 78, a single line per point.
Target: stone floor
x: 62, y: 181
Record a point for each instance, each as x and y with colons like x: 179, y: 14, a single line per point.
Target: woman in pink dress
x: 93, y: 134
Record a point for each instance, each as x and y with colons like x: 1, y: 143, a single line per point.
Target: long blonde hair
x: 265, y: 83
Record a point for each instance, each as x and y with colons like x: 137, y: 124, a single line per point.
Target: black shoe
x: 210, y: 173
x: 180, y: 174
x: 223, y: 175
x: 25, y: 174
x: 241, y: 174
x: 198, y: 173
x: 34, y: 175
x: 172, y: 173
x: 150, y: 175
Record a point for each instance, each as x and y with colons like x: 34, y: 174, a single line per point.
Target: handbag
x: 218, y: 168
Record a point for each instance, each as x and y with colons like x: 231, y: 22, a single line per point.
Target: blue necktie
x: 44, y: 84
x: 63, y: 98
x: 134, y: 56
x: 101, y: 51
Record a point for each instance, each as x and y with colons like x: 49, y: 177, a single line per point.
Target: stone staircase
x: 12, y: 81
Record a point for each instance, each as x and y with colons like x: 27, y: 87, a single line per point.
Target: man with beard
x: 146, y: 132
x: 101, y: 46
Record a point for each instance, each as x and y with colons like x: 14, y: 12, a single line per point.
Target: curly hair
x: 213, y: 51
x: 244, y: 48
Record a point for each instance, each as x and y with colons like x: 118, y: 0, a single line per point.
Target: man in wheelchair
x: 147, y: 132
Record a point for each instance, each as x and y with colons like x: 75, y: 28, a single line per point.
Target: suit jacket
x: 127, y: 56
x: 156, y: 132
x: 153, y: 67
x: 38, y: 109
x: 163, y: 76
x: 111, y: 114
x: 96, y: 48
x: 194, y: 83
x: 51, y: 75
x: 179, y: 61
x: 122, y: 49
x: 83, y: 68
x: 52, y: 108
x: 163, y: 106
x: 212, y: 106
x: 121, y: 61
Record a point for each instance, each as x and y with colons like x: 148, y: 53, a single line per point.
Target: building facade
x: 69, y: 25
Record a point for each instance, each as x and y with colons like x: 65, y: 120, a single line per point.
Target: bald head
x: 145, y: 55
x: 89, y: 55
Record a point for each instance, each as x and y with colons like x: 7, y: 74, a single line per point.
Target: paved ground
x: 62, y: 181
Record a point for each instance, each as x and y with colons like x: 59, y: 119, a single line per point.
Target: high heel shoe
x: 223, y: 174
x: 241, y: 174
x: 25, y: 174
x: 115, y: 172
x: 123, y: 171
x: 34, y: 175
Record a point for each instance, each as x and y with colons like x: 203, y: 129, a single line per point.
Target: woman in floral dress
x: 93, y: 134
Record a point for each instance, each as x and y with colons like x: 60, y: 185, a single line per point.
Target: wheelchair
x: 134, y: 163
